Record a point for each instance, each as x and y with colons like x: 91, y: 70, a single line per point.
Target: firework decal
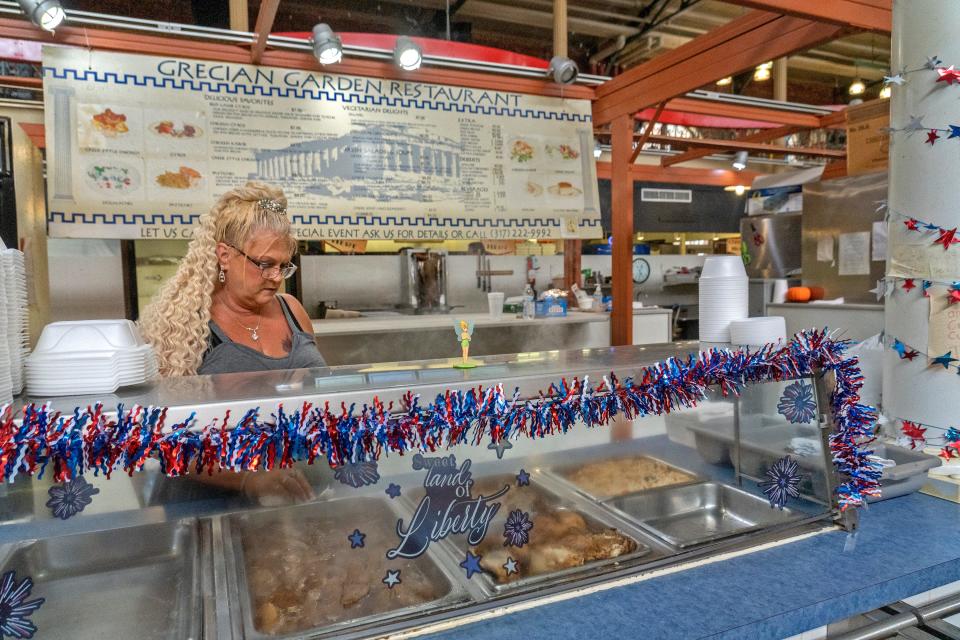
x: 784, y: 478
x: 358, y: 474
x: 70, y: 498
x: 797, y: 404
x: 516, y: 530
x: 15, y: 609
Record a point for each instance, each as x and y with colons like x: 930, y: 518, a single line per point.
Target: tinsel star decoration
x: 948, y: 75
x: 915, y: 124
x: 932, y: 137
x: 945, y: 360
x: 947, y: 237
x: 911, y: 224
x: 954, y: 131
x: 933, y: 62
x: 896, y: 79
x: 783, y: 482
x: 914, y: 432
x: 908, y: 284
x: 954, y: 294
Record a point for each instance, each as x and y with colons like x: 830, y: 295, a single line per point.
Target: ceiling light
x: 407, y: 54
x: 740, y: 160
x: 46, y: 14
x: 762, y: 72
x: 562, y: 70
x: 327, y: 46
x: 597, y: 151
x: 722, y: 82
x: 857, y: 87
x: 886, y: 92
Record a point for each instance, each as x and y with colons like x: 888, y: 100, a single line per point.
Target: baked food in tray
x: 620, y: 476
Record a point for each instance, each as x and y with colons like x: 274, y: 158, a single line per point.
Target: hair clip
x: 270, y: 204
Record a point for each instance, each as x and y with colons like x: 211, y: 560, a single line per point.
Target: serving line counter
x: 417, y: 540
x: 422, y: 337
x: 855, y: 322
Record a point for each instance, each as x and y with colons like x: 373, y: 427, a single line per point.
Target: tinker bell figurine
x: 464, y: 331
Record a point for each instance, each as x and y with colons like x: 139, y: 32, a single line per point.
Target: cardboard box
x: 868, y: 145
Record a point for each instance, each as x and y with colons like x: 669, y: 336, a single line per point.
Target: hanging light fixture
x: 723, y: 82
x: 327, y: 46
x: 740, y: 160
x: 762, y: 72
x: 407, y: 54
x: 562, y: 70
x: 857, y: 87
x: 886, y: 92
x: 46, y: 14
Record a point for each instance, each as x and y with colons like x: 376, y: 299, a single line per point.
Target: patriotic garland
x: 948, y: 75
x: 887, y: 285
x: 89, y: 440
x: 913, y: 434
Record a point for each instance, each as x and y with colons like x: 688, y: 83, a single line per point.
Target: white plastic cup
x: 723, y: 266
x: 495, y: 304
x: 779, y: 291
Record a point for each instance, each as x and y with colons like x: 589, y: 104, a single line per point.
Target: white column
x: 923, y: 181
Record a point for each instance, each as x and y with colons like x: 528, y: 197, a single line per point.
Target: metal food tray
x: 561, y: 498
x: 562, y: 472
x: 147, y: 576
x: 694, y: 514
x: 232, y: 548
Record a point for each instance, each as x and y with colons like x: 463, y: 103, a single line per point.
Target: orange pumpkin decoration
x: 798, y: 294
x: 816, y: 293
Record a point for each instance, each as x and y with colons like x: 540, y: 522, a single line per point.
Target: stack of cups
x: 723, y: 297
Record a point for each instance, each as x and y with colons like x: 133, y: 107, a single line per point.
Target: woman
x: 222, y: 312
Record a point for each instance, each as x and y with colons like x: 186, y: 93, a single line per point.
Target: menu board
x: 140, y: 147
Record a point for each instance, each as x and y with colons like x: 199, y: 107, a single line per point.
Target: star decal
x: 915, y: 124
x: 954, y: 131
x: 947, y: 237
x: 471, y: 564
x: 523, y: 479
x: 500, y: 446
x: 932, y: 137
x: 948, y: 75
x: 896, y: 79
x: 910, y: 355
x: 392, y: 578
x: 356, y: 539
x: 510, y: 566
x: 908, y: 284
x: 393, y: 490
x: 954, y: 296
x: 933, y: 62
x: 911, y: 224
x: 945, y: 360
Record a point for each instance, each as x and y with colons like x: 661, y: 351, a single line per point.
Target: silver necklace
x: 253, y: 331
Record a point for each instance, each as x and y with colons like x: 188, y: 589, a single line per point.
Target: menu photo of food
x: 563, y: 190
x: 177, y: 180
x: 109, y: 177
x: 524, y: 152
x: 526, y: 189
x: 109, y: 126
x: 560, y: 150
x: 176, y: 131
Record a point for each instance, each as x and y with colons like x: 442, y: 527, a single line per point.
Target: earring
x: 222, y: 277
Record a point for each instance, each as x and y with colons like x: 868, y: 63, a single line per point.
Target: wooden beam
x: 834, y: 170
x: 745, y: 112
x: 737, y: 145
x: 647, y: 133
x: 621, y: 196
x: 867, y: 15
x: 265, y: 18
x: 36, y: 133
x: 681, y: 175
x: 141, y: 43
x: 836, y: 120
x: 727, y: 50
x: 764, y: 135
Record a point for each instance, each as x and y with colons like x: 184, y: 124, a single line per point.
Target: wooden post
x: 780, y: 79
x: 621, y: 190
x: 239, y: 15
x: 571, y: 248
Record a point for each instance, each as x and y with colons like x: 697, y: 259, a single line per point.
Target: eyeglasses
x: 268, y: 270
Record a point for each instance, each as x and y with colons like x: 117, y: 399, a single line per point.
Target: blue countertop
x: 904, y: 546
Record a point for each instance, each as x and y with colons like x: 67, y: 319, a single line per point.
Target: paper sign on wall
x: 879, y: 241
x: 944, y: 329
x: 854, y: 250
x: 825, y: 249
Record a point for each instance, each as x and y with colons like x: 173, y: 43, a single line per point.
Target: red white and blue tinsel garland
x: 91, y: 441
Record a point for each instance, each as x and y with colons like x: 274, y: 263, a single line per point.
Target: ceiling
x: 605, y: 36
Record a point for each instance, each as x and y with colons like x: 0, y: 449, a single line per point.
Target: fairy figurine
x: 464, y: 331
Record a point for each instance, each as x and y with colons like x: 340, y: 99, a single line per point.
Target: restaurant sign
x: 139, y: 147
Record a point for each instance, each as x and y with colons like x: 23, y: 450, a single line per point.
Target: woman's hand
x: 289, y: 485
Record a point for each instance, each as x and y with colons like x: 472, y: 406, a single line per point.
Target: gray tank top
x: 226, y: 356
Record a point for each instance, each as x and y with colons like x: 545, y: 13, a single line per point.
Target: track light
x: 740, y: 160
x: 407, y: 54
x: 886, y: 92
x: 562, y: 70
x: 722, y: 82
x: 762, y: 72
x: 327, y: 46
x: 857, y: 87
x: 46, y: 14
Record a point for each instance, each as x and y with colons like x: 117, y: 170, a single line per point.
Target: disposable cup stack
x: 756, y: 332
x: 723, y: 297
x: 14, y: 295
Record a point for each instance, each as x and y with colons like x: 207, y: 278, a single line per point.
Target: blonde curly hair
x: 177, y: 321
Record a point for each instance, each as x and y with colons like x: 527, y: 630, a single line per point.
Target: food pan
x: 578, y: 475
x: 342, y: 574
x: 539, y: 498
x: 111, y: 584
x: 698, y: 513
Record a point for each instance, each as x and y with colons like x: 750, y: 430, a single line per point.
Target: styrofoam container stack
x: 109, y: 354
x: 756, y: 332
x: 723, y: 297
